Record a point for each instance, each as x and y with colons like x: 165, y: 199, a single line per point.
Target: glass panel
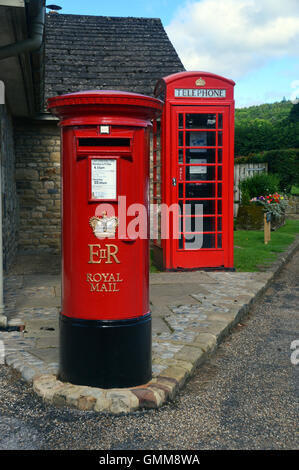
x: 193, y: 242
x: 200, y: 121
x: 219, y: 240
x: 219, y: 155
x: 181, y: 140
x: 181, y: 190
x: 208, y: 207
x: 202, y: 173
x: 208, y: 240
x: 180, y: 121
x: 219, y: 173
x: 200, y: 190
x: 208, y: 154
x: 200, y: 139
x: 220, y: 138
x: 181, y: 156
x: 200, y: 224
x: 220, y: 121
x: 219, y: 226
x: 219, y: 189
x: 220, y: 207
x: 181, y: 243
x: 181, y: 226
x: 193, y: 224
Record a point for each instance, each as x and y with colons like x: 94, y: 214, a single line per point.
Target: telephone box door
x: 200, y: 183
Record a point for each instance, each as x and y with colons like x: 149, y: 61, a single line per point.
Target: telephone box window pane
x: 208, y: 224
x: 220, y: 138
x: 194, y: 242
x: 197, y: 224
x: 181, y: 224
x: 219, y: 155
x: 219, y: 225
x: 200, y: 224
x: 181, y: 190
x: 208, y: 154
x: 207, y: 207
x: 200, y: 121
x: 208, y: 240
x: 181, y: 156
x: 219, y: 207
x: 220, y: 173
x: 200, y: 139
x: 200, y: 190
x: 202, y: 173
x: 181, y: 121
x: 181, y: 140
x: 219, y: 240
x: 219, y: 189
x: 220, y: 121
x: 181, y: 243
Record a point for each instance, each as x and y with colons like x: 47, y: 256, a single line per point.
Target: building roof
x: 100, y: 52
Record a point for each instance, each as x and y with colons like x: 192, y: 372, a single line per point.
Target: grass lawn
x: 250, y: 251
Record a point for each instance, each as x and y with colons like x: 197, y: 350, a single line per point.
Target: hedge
x: 284, y: 163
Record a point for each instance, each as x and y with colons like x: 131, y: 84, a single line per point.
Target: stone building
x: 77, y: 53
x: 21, y: 75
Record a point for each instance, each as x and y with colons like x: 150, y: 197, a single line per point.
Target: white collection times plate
x: 103, y: 178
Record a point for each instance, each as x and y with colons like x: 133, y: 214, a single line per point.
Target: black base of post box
x: 105, y: 354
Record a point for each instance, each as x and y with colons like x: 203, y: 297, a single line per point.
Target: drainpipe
x: 30, y: 44
x: 2, y: 317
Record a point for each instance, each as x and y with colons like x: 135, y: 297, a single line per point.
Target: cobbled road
x: 244, y: 397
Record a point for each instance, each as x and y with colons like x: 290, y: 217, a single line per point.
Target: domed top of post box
x: 105, y: 106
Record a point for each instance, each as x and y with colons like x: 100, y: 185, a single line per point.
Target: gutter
x: 30, y: 44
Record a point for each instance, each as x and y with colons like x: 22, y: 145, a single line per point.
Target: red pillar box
x: 105, y: 322
x: 197, y: 171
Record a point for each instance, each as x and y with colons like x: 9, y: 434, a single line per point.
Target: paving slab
x: 192, y: 313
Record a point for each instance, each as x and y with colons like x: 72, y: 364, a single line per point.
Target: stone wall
x: 292, y: 211
x: 37, y: 145
x: 10, y: 212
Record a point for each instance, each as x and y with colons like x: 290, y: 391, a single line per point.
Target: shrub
x: 284, y: 163
x: 258, y: 185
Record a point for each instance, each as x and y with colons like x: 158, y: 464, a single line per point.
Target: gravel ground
x: 244, y: 397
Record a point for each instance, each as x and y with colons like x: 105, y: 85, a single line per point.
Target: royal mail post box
x: 193, y: 172
x: 105, y: 322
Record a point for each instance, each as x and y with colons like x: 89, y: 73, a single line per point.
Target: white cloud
x: 232, y: 37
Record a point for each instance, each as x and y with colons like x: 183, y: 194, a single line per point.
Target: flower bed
x: 251, y: 216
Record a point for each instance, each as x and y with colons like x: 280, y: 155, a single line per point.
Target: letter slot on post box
x: 105, y: 322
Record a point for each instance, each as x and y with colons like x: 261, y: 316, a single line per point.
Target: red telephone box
x: 105, y: 322
x: 193, y: 173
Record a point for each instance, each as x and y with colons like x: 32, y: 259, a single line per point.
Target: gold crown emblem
x: 103, y: 226
x: 200, y: 82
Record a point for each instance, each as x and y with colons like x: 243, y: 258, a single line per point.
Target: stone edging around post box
x: 176, y: 370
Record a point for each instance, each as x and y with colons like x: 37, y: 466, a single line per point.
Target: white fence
x: 241, y: 172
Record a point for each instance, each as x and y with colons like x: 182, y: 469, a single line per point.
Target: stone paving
x: 192, y: 312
